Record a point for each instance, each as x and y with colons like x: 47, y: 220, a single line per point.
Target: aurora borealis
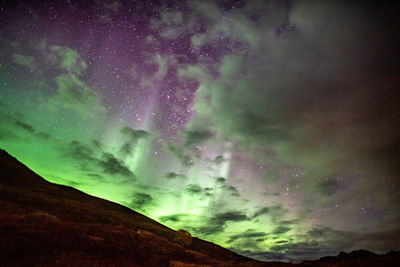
x: 268, y: 127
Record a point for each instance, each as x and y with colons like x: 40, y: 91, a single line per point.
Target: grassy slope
x: 46, y: 224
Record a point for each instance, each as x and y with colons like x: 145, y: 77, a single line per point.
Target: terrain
x: 46, y: 224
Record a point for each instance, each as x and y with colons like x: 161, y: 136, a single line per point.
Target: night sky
x: 268, y: 127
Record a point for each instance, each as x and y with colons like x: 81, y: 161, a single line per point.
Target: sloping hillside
x: 47, y: 224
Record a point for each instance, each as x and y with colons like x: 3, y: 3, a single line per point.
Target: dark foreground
x: 45, y: 224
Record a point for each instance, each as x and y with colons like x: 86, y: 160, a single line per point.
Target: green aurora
x: 269, y: 128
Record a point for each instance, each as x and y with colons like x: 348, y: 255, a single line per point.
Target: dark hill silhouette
x: 357, y: 258
x: 45, y: 224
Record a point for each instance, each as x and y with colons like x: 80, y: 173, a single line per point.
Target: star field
x: 267, y: 127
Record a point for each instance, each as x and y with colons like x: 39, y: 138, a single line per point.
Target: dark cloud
x: 74, y: 94
x: 178, y: 152
x: 192, y: 138
x: 281, y: 230
x: 134, y: 135
x: 173, y: 175
x: 112, y: 165
x: 321, y: 95
x: 84, y: 156
x: 79, y: 152
x: 11, y: 124
x: 261, y: 211
x: 275, y: 211
x: 289, y: 222
x: 6, y: 134
x: 97, y: 144
x: 126, y: 149
x: 43, y: 135
x: 96, y: 176
x: 300, y: 248
x: 229, y: 216
x: 27, y: 127
x: 217, y: 222
x: 218, y: 159
x: 221, y: 180
x: 208, y: 191
x: 174, y: 218
x: 330, y: 186
x: 233, y: 190
x: 194, y: 189
x: 140, y: 200
x: 209, y: 230
x: 249, y: 234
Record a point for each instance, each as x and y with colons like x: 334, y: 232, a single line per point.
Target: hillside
x: 46, y: 224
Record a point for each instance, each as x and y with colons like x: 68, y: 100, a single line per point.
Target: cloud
x: 80, y: 151
x: 126, y: 149
x: 330, y: 186
x: 43, y: 135
x: 173, y: 175
x: 294, y: 250
x: 216, y: 223
x: 281, y: 230
x: 132, y: 138
x: 14, y: 127
x: 173, y: 24
x: 178, y: 152
x: 132, y: 134
x: 208, y: 191
x: 299, y: 86
x: 209, y: 230
x: 159, y: 63
x: 74, y: 94
x: 194, y: 189
x: 289, y: 222
x: 174, y: 218
x: 112, y: 165
x: 27, y: 127
x: 275, y: 211
x: 140, y: 200
x: 221, y: 180
x: 192, y: 138
x: 233, y: 190
x: 261, y: 211
x: 66, y: 59
x: 218, y: 160
x: 91, y: 159
x: 229, y: 216
x: 26, y: 61
x: 249, y: 234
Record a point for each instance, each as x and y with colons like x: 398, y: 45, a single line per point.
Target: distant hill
x: 45, y: 224
x: 357, y: 258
